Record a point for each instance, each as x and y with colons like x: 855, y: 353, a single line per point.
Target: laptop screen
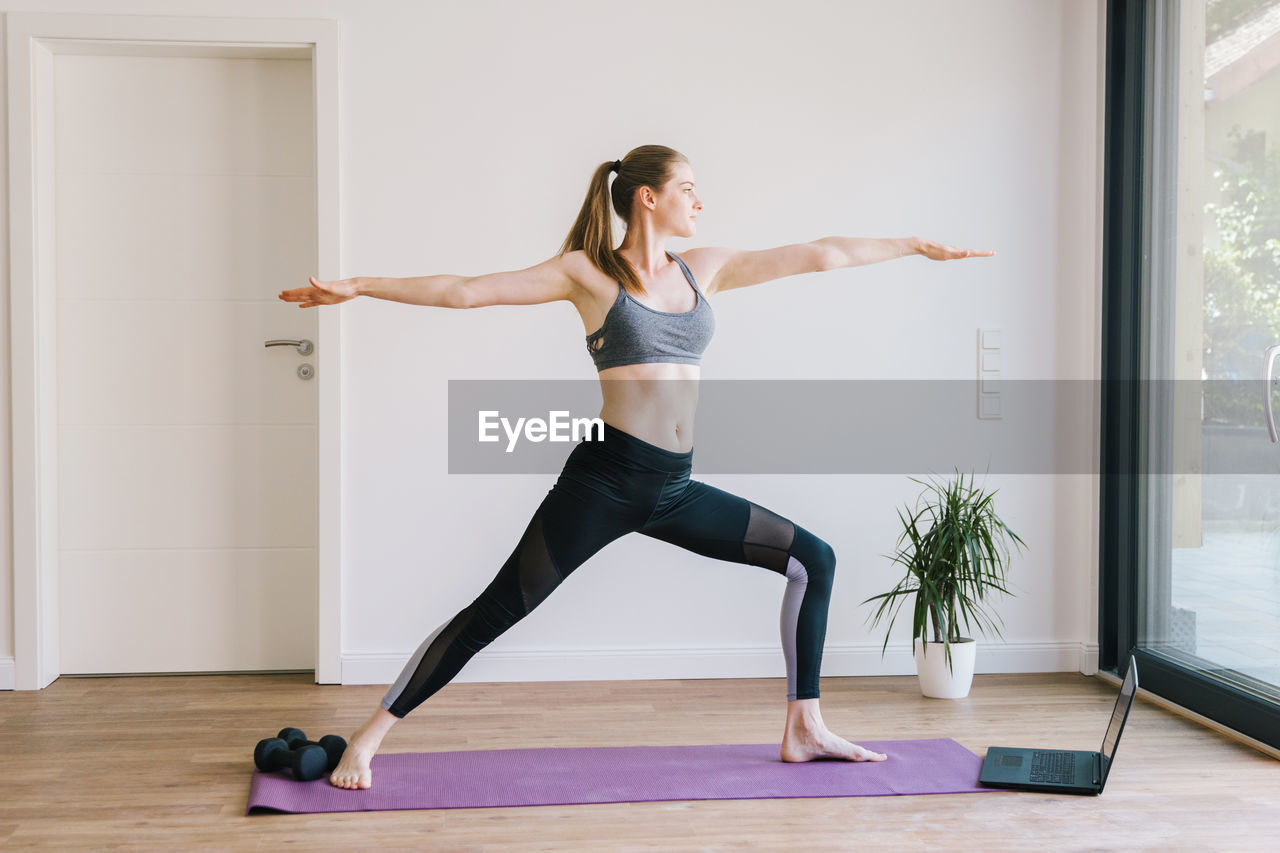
x: 1118, y: 715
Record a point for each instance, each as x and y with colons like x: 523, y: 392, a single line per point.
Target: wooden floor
x: 164, y: 763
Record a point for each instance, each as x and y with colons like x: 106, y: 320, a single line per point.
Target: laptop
x: 1062, y: 771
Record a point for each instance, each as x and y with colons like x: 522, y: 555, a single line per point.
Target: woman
x: 648, y: 323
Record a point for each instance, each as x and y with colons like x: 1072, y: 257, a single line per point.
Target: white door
x: 187, y: 475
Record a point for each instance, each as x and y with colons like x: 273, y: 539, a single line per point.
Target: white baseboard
x: 1088, y: 658
x: 638, y: 664
x: 7, y: 677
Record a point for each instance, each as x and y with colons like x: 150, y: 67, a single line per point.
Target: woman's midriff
x: 654, y: 402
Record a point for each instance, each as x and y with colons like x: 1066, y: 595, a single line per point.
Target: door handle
x: 305, y: 346
x: 1270, y: 358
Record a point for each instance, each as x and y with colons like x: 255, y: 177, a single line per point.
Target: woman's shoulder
x: 584, y: 273
x: 704, y: 263
x: 593, y: 286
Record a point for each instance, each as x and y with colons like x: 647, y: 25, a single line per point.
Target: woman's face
x: 678, y: 204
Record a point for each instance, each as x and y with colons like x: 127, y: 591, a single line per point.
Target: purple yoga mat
x: 625, y: 774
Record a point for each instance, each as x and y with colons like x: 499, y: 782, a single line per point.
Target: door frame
x: 33, y: 40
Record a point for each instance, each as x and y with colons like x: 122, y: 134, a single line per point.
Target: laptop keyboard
x: 1053, y: 767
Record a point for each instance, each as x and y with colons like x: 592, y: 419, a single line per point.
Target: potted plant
x: 952, y: 566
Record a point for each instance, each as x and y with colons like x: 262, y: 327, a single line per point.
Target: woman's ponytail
x: 592, y: 232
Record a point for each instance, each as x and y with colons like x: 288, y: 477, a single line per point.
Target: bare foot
x: 822, y: 743
x: 353, y: 768
x: 807, y: 737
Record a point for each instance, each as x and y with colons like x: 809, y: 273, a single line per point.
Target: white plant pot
x: 937, y: 681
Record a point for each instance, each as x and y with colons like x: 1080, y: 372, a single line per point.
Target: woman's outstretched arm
x: 858, y: 251
x: 546, y: 282
x: 727, y: 269
x: 437, y: 290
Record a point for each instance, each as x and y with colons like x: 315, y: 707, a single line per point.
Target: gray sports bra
x: 634, y: 334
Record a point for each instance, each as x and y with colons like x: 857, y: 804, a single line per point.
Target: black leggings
x: 610, y: 488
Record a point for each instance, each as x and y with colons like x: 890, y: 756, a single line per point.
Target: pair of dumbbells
x: 290, y: 750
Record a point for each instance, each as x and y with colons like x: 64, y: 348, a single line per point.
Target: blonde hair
x: 646, y: 166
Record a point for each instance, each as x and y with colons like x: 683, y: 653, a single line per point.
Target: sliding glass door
x: 1191, y: 467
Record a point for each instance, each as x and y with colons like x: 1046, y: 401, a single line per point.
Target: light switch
x: 989, y: 363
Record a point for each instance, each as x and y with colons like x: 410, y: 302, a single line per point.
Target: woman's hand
x: 935, y: 251
x: 321, y: 292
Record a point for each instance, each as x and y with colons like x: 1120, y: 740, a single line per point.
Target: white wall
x: 469, y: 132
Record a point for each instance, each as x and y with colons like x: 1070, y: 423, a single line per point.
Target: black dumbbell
x: 291, y: 750
x: 307, y: 763
x: 332, y: 745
